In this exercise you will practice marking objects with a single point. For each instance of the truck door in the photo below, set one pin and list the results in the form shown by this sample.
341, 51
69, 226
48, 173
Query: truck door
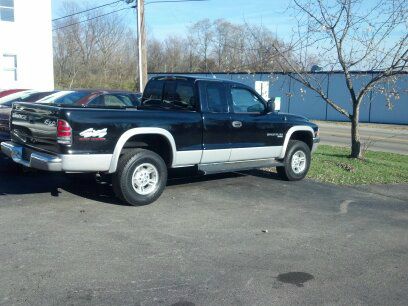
254, 133
216, 122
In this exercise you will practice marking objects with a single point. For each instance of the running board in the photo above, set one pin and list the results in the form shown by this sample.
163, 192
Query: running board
238, 166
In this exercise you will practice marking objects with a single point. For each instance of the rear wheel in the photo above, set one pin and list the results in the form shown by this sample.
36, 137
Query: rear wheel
140, 178
296, 162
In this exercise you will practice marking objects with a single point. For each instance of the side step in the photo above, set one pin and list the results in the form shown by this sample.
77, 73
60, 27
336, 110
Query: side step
238, 166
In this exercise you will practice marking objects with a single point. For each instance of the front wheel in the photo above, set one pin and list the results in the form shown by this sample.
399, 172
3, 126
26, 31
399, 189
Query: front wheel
140, 178
296, 162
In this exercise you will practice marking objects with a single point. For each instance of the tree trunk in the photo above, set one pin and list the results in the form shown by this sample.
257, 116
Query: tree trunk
355, 135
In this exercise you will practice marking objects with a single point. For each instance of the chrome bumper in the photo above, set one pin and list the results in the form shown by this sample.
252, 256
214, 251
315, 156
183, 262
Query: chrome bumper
48, 162
41, 161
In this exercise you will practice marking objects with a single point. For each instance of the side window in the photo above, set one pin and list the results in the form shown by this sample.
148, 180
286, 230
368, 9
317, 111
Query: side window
244, 101
217, 103
96, 102
179, 94
117, 100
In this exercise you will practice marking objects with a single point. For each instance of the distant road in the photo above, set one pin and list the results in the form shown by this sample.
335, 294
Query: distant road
383, 137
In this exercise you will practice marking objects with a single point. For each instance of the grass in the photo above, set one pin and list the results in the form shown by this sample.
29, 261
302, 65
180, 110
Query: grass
331, 164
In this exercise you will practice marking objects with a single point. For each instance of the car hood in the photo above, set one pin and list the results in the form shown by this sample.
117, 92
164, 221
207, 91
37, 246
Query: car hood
294, 117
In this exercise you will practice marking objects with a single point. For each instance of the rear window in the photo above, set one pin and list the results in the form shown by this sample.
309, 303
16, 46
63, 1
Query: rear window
174, 94
71, 98
153, 92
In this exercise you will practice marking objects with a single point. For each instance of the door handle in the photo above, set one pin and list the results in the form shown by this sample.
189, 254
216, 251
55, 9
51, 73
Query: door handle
236, 124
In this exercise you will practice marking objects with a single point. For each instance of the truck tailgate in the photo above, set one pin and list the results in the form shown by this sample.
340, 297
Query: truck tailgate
35, 125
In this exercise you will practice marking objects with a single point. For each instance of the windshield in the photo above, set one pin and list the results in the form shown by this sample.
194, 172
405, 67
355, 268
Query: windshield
8, 100
51, 98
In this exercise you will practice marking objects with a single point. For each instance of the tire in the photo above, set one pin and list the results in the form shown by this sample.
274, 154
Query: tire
140, 178
295, 171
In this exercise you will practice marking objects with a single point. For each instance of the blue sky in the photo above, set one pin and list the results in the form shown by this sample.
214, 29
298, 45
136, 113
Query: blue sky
165, 19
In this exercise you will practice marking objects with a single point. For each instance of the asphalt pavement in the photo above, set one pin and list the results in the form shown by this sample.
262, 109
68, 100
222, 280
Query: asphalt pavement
233, 239
378, 137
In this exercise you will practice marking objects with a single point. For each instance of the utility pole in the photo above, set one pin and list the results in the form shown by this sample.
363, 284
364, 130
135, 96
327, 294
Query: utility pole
141, 33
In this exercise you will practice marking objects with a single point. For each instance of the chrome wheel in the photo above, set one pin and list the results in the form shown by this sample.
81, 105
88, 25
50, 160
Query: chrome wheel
145, 179
298, 162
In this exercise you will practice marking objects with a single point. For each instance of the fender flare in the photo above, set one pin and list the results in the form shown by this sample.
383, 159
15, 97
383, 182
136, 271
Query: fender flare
139, 131
289, 135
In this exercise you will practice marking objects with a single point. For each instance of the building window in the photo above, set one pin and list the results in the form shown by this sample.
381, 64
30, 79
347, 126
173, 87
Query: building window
10, 67
6, 10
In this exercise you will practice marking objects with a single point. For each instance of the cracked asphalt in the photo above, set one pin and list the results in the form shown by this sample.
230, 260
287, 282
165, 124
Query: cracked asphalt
233, 239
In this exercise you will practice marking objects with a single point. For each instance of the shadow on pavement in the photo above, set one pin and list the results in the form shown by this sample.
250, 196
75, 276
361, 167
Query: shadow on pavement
14, 180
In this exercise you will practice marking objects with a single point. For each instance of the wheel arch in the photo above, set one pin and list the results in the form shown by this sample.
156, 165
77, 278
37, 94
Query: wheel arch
133, 134
302, 132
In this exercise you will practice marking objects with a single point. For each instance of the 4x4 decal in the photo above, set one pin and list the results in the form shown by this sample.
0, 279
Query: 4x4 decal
92, 134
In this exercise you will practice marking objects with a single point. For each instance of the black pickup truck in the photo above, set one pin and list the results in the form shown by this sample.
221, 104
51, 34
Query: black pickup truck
214, 125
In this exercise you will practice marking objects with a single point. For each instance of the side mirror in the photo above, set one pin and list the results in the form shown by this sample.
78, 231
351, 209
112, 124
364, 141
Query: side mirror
269, 107
273, 105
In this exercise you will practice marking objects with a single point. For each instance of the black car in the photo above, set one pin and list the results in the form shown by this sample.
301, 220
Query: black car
7, 102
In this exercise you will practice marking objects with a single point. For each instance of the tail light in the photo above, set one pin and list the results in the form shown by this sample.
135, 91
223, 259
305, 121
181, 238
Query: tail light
64, 132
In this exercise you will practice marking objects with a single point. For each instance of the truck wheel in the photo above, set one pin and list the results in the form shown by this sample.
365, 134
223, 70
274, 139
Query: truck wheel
140, 178
297, 161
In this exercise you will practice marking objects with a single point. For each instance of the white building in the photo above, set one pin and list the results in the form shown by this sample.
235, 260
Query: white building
26, 59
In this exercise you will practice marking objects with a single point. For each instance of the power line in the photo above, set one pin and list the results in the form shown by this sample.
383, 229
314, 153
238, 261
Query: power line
175, 1
111, 3
91, 9
86, 20
125, 8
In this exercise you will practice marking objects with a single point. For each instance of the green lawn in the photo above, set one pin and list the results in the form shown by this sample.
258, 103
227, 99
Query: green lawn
331, 164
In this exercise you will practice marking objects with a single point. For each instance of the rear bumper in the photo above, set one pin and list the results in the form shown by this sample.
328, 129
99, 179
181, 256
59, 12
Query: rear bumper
48, 162
316, 141
39, 161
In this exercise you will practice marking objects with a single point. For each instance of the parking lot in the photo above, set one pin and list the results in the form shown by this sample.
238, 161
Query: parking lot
233, 239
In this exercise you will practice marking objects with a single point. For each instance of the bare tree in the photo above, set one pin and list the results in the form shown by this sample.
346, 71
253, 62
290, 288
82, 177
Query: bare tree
348, 35
202, 35
98, 53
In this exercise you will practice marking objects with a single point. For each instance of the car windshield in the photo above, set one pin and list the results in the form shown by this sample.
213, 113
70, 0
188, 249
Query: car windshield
18, 96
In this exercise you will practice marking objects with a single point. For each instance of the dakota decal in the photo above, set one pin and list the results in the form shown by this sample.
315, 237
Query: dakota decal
50, 122
93, 135
19, 116
279, 135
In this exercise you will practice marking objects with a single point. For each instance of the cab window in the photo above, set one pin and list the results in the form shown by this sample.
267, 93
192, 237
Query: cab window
217, 103
245, 101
